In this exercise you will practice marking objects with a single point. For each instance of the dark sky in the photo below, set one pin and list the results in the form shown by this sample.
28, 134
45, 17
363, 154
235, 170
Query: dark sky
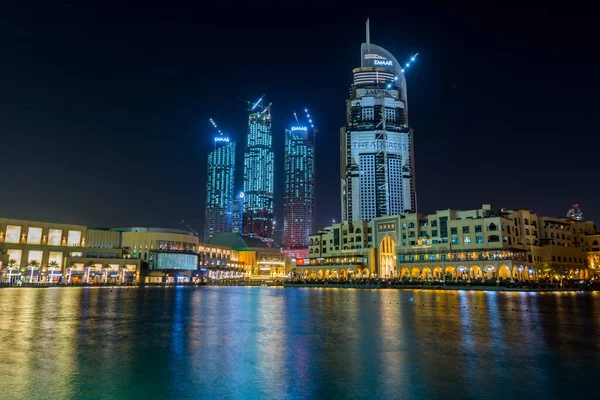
105, 107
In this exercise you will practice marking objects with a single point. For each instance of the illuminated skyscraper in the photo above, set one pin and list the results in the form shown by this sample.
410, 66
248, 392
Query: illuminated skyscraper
377, 166
219, 187
238, 213
258, 175
298, 206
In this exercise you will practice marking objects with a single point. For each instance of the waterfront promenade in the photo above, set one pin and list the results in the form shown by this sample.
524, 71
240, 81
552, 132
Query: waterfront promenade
358, 284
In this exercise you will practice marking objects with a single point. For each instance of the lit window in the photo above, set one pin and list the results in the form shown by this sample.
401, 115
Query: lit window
34, 236
13, 234
15, 255
35, 255
454, 240
55, 256
54, 237
74, 238
479, 239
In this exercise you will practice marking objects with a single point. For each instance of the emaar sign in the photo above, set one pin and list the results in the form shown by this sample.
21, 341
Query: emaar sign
222, 139
387, 63
299, 128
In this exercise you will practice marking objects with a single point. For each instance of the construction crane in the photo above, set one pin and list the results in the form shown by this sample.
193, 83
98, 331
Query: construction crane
215, 125
190, 228
251, 105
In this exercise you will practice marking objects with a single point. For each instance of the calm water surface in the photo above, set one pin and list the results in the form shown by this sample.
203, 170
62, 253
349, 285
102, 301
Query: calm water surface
274, 343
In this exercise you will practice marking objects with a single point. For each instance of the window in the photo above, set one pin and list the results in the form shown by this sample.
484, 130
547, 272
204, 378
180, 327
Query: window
454, 240
74, 238
444, 240
467, 240
404, 236
15, 255
411, 225
493, 239
478, 239
35, 255
324, 250
13, 234
465, 229
421, 257
453, 231
368, 113
357, 230
55, 256
55, 237
434, 232
403, 226
34, 235
435, 241
477, 228
492, 227
432, 257
434, 223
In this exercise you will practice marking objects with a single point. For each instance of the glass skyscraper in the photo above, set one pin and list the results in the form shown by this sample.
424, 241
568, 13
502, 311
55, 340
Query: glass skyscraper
377, 165
298, 207
219, 187
258, 176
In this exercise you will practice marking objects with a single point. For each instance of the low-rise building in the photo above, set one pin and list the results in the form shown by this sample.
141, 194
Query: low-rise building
451, 245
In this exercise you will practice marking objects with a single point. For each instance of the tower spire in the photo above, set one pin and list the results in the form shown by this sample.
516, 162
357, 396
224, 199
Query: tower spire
368, 37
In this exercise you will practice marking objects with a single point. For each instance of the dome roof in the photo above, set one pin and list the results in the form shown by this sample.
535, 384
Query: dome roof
236, 241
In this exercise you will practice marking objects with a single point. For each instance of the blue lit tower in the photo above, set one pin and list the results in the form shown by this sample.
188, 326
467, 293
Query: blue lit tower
258, 175
219, 186
377, 163
299, 195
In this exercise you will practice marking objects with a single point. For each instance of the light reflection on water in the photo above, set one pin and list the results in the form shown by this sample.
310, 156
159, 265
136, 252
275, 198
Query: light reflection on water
236, 342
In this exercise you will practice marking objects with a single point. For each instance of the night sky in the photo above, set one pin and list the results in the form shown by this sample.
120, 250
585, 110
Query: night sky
104, 114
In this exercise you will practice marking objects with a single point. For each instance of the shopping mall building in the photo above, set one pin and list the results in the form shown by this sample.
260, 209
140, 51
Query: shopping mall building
43, 252
455, 245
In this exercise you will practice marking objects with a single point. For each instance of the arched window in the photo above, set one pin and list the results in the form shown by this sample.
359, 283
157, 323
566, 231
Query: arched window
595, 243
526, 221
316, 241
492, 227
411, 225
310, 251
310, 243
357, 230
493, 239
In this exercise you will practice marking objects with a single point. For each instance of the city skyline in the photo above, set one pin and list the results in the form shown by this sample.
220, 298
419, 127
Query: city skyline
456, 94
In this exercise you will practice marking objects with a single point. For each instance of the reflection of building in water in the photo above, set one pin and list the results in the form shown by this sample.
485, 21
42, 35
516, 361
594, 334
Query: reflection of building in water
456, 245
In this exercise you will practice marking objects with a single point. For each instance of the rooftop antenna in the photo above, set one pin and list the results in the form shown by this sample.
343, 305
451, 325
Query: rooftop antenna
368, 37
257, 102
215, 125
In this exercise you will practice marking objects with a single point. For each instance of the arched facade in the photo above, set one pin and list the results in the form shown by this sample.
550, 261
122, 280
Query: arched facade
387, 257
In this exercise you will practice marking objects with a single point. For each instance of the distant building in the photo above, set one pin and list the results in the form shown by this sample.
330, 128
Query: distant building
298, 198
219, 187
238, 213
258, 175
377, 161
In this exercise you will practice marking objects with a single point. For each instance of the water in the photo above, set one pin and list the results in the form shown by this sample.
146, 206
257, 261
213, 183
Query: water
274, 343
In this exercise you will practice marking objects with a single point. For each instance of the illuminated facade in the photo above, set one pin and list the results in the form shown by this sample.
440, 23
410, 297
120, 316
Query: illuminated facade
258, 177
219, 187
470, 245
377, 165
298, 207
45, 252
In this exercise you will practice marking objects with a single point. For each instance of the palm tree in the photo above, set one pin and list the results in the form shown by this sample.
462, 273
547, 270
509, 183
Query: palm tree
12, 263
52, 266
33, 264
